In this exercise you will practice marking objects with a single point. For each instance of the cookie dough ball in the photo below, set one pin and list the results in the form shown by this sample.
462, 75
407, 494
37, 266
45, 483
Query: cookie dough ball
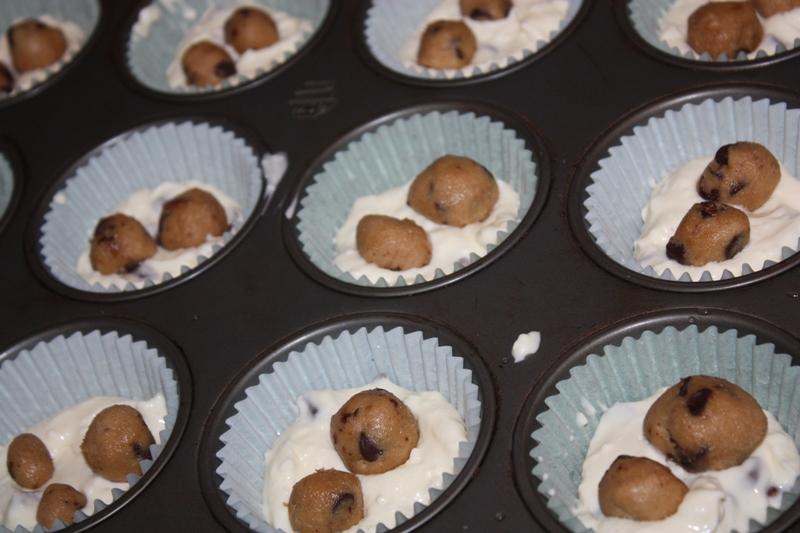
705, 423
392, 243
485, 9
638, 488
28, 461
767, 8
742, 173
6, 79
205, 63
250, 29
35, 45
374, 432
454, 190
710, 231
119, 244
446, 44
117, 439
724, 28
188, 219
59, 501
325, 502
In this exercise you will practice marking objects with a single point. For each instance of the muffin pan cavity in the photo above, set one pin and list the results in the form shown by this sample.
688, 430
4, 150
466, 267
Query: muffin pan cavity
392, 31
75, 19
660, 27
260, 405
164, 30
145, 158
629, 362
392, 151
68, 364
616, 180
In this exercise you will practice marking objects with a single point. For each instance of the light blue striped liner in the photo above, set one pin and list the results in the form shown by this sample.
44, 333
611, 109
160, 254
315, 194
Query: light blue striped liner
83, 13
350, 360
143, 160
64, 371
635, 370
627, 176
393, 155
646, 17
389, 23
148, 57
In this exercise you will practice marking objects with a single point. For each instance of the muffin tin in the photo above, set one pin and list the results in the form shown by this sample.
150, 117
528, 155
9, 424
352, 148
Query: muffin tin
228, 321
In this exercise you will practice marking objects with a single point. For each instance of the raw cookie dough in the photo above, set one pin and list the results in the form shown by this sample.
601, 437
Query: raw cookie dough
446, 44
119, 244
145, 206
188, 219
326, 501
454, 190
725, 28
35, 45
717, 500
639, 488
374, 432
250, 29
705, 423
62, 433
59, 501
28, 461
743, 173
710, 231
773, 226
392, 243
205, 63
116, 441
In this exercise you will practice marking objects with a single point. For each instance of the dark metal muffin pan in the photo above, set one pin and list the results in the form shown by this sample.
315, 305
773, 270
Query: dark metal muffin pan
257, 296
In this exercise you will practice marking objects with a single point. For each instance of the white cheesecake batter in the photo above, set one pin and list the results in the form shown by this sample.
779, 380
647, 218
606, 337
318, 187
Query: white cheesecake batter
772, 226
306, 446
145, 206
450, 244
717, 501
63, 434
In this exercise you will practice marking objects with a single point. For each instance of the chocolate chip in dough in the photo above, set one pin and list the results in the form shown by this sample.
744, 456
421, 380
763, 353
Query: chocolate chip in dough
446, 44
710, 231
